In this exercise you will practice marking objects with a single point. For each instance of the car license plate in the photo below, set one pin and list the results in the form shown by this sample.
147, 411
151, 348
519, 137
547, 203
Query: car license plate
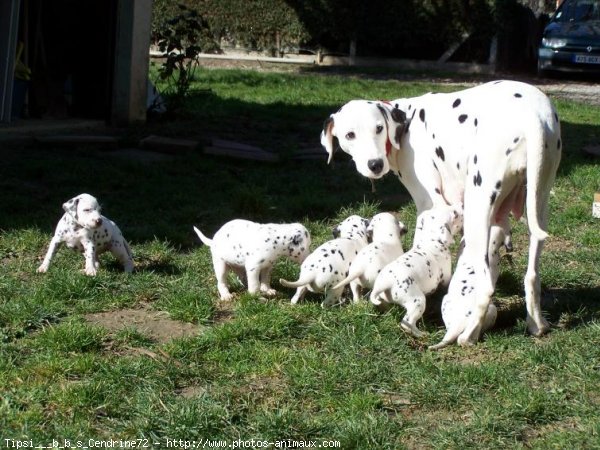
587, 59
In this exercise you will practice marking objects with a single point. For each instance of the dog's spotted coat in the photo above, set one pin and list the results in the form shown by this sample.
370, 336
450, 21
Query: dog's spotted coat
84, 229
421, 270
329, 263
385, 246
251, 249
460, 302
482, 145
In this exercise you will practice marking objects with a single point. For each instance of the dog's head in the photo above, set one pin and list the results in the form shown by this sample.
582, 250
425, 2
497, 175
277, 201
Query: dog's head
299, 244
385, 226
354, 227
441, 219
85, 210
367, 131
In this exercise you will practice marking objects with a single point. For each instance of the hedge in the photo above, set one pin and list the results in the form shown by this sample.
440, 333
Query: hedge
421, 29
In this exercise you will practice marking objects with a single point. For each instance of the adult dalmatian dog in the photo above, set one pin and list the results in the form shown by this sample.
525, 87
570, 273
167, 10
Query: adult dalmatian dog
496, 147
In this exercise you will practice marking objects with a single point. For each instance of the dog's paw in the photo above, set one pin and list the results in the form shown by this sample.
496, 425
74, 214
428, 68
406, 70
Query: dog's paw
42, 269
269, 292
90, 271
538, 330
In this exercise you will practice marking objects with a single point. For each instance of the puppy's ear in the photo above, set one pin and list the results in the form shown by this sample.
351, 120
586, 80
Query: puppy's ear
328, 139
335, 232
297, 239
398, 126
70, 206
403, 228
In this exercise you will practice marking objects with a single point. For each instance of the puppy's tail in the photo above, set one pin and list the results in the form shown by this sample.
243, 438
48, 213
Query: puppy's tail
302, 281
351, 276
206, 241
379, 293
449, 338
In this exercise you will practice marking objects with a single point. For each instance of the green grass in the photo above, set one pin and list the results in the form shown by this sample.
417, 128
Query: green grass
263, 369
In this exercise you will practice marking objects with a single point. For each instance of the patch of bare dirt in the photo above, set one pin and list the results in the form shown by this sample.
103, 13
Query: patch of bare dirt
157, 325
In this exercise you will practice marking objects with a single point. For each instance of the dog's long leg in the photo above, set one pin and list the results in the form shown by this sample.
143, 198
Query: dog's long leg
299, 295
89, 252
265, 281
120, 250
415, 307
54, 244
220, 267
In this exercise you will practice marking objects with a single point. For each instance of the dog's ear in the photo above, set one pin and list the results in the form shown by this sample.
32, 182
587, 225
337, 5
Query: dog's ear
70, 206
328, 140
335, 231
297, 239
403, 228
398, 126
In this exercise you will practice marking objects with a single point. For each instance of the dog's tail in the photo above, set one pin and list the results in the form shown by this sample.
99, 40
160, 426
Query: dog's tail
541, 171
379, 293
350, 277
302, 281
206, 241
449, 338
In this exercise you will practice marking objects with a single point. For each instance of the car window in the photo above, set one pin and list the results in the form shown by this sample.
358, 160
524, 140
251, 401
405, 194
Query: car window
578, 11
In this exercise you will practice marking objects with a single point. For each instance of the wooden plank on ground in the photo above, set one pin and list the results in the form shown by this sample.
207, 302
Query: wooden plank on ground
168, 145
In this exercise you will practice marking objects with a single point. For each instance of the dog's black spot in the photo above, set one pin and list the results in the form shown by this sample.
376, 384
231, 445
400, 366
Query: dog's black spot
515, 140
439, 151
477, 179
437, 191
508, 152
518, 95
456, 103
498, 184
330, 268
435, 166
475, 159
398, 115
493, 198
422, 115
475, 122
458, 165
558, 145
433, 136
462, 118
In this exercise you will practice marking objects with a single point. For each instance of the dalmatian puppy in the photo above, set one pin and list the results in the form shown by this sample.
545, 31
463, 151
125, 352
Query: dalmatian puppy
84, 229
250, 249
385, 246
329, 263
448, 148
420, 271
460, 301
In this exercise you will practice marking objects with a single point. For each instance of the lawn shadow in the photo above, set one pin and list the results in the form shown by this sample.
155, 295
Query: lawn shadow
162, 199
563, 307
